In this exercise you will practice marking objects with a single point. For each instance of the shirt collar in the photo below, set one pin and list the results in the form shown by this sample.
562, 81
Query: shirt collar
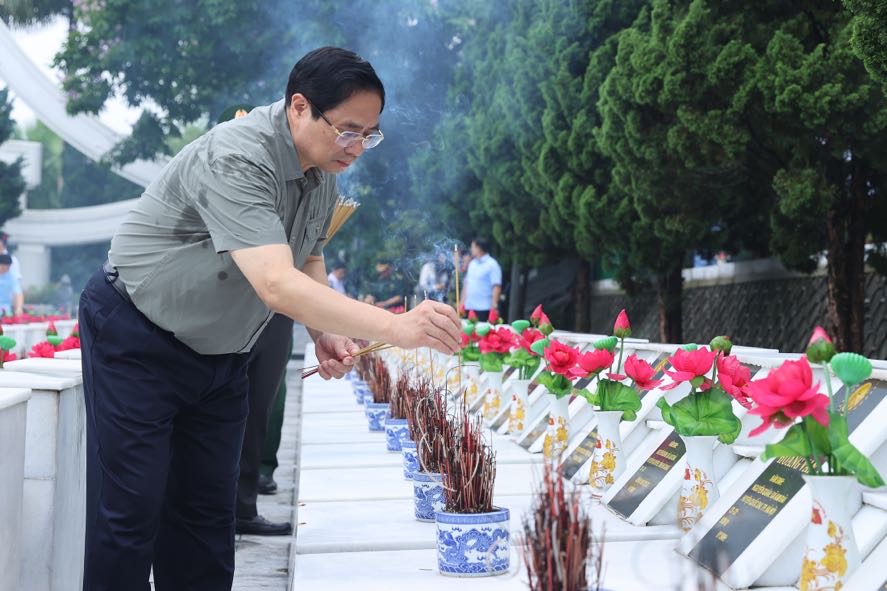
292, 168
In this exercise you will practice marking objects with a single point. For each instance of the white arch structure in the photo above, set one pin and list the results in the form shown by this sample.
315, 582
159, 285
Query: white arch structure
36, 230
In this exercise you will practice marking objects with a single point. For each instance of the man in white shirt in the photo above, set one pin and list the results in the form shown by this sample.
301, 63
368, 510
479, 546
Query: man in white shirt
336, 278
483, 281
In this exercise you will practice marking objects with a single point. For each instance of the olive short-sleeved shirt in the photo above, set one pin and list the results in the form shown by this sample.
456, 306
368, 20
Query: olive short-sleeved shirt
239, 185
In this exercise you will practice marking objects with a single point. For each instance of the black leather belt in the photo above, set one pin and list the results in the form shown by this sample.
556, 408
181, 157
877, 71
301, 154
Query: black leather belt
112, 276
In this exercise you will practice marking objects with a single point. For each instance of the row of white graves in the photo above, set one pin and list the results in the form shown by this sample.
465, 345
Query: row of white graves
753, 535
42, 471
28, 335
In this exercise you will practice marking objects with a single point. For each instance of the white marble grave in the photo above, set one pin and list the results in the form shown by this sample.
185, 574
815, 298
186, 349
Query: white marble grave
46, 365
54, 481
13, 414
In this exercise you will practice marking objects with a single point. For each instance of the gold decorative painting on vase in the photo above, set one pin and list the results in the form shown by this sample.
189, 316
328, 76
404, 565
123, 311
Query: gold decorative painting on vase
607, 459
831, 554
492, 394
557, 434
517, 414
698, 486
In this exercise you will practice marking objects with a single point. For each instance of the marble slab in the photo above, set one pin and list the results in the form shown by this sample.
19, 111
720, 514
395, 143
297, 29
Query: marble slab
51, 366
391, 525
365, 484
630, 566
54, 481
13, 415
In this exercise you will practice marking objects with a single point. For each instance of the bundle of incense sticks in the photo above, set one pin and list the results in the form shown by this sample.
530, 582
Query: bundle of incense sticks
309, 371
345, 208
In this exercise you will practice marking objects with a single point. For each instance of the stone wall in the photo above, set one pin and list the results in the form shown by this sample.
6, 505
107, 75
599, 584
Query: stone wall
778, 313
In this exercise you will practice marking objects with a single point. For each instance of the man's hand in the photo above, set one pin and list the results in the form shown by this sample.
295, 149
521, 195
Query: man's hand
334, 354
430, 324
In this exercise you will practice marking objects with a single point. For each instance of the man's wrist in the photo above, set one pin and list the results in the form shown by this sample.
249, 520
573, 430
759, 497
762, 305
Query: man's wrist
314, 334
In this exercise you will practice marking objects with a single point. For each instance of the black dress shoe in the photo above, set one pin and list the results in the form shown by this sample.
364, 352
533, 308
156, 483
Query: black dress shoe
267, 486
259, 526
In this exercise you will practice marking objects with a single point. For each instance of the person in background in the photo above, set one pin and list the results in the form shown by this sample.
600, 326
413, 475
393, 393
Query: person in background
64, 295
433, 279
336, 278
12, 300
388, 288
14, 268
483, 281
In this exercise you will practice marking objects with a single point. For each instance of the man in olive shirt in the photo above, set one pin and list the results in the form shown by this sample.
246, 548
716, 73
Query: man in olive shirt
230, 233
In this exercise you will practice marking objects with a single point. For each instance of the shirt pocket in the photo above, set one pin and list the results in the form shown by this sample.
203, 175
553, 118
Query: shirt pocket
313, 228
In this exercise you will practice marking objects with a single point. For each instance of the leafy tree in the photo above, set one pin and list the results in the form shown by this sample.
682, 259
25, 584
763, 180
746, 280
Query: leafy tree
190, 58
869, 38
12, 185
30, 12
46, 195
570, 162
827, 126
681, 152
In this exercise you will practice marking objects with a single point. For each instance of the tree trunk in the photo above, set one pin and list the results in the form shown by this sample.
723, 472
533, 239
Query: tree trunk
581, 296
845, 231
669, 288
515, 303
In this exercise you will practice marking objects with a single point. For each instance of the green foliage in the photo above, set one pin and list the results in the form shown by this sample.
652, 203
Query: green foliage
869, 38
190, 58
555, 383
31, 12
817, 444
613, 395
12, 185
491, 361
703, 413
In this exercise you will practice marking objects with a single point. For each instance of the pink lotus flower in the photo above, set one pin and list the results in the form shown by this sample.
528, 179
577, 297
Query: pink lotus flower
8, 355
689, 365
472, 316
641, 372
526, 339
787, 393
51, 330
819, 334
538, 318
42, 349
588, 364
498, 340
622, 328
734, 379
493, 317
561, 358
71, 342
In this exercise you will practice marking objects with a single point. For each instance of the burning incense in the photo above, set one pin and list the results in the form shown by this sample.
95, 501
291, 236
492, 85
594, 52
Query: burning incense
456, 267
345, 208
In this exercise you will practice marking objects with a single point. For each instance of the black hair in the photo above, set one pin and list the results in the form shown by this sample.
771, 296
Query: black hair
5, 259
338, 265
482, 243
329, 76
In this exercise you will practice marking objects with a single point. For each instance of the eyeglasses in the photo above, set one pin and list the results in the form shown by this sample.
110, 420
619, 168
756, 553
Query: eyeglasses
346, 139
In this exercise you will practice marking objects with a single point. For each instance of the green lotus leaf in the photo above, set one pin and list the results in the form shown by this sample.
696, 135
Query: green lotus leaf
851, 368
608, 343
6, 343
703, 413
690, 347
55, 341
483, 329
520, 325
539, 346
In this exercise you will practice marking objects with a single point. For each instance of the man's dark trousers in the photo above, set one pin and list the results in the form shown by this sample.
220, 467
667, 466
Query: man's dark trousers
267, 366
164, 431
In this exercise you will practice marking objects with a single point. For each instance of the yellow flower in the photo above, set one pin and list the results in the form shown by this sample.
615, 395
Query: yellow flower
808, 575
609, 462
835, 559
832, 529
